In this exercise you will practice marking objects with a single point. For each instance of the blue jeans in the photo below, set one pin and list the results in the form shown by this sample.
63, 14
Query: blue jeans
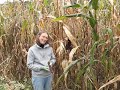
42, 82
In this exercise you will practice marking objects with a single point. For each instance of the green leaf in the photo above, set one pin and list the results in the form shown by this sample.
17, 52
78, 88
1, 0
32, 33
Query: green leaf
82, 71
92, 51
45, 2
59, 18
95, 4
92, 20
77, 15
101, 5
73, 6
24, 25
70, 16
104, 57
95, 35
109, 64
31, 6
2, 87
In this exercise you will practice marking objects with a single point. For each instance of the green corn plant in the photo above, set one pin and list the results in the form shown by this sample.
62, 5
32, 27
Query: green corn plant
92, 19
68, 68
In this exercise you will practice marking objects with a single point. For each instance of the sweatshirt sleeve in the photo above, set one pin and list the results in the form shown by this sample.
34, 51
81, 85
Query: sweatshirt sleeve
30, 62
53, 59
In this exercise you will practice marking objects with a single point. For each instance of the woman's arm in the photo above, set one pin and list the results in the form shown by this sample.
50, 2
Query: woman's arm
30, 62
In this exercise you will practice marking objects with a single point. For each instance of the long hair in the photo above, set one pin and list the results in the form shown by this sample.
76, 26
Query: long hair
38, 35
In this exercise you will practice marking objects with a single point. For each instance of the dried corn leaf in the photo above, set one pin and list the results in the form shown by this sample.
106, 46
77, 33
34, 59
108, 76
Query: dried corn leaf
61, 48
69, 35
72, 53
118, 30
64, 64
67, 68
32, 27
41, 24
51, 16
117, 78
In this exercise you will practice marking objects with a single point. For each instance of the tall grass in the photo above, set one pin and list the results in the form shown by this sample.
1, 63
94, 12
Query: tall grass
85, 37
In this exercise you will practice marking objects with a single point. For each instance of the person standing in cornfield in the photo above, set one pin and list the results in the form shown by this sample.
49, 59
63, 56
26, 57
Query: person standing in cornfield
40, 60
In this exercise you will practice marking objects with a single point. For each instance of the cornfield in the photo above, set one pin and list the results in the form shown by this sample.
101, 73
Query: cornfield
85, 36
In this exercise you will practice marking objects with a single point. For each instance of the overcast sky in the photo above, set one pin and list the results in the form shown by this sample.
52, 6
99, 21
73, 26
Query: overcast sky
2, 1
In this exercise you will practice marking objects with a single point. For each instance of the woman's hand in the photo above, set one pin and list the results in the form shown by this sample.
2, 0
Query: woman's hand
45, 68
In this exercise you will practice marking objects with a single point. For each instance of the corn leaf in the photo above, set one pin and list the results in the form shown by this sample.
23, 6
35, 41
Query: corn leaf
61, 48
92, 20
73, 6
77, 15
72, 53
59, 18
66, 70
115, 79
24, 25
92, 52
82, 71
45, 2
31, 7
94, 4
95, 35
70, 16
64, 64
69, 35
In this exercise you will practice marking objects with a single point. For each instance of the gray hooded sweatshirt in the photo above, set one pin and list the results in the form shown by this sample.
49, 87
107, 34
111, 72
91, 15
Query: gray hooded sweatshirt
38, 58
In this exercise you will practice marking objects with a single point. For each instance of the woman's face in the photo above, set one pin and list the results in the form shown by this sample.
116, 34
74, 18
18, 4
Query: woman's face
43, 38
